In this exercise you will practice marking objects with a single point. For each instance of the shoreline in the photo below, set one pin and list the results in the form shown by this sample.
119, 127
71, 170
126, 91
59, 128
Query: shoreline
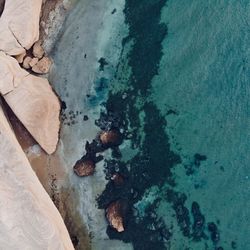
55, 171
50, 169
76, 58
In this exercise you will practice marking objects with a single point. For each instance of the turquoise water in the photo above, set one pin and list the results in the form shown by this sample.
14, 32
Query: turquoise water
182, 91
204, 77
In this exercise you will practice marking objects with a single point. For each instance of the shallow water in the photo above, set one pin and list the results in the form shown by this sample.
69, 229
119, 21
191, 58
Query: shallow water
201, 90
177, 79
204, 75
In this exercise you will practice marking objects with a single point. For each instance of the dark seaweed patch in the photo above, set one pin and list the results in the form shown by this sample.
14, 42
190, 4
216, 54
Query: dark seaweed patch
214, 233
198, 222
153, 165
102, 61
182, 213
198, 158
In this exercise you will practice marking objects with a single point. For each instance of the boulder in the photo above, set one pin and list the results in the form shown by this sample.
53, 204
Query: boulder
43, 66
115, 213
33, 62
26, 62
29, 219
32, 100
117, 179
38, 50
19, 25
84, 167
20, 57
110, 138
10, 73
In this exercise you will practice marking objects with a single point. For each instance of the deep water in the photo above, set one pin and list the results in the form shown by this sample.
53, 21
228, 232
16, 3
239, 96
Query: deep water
181, 97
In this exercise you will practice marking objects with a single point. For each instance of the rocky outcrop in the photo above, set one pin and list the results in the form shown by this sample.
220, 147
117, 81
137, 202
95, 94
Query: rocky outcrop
110, 138
26, 62
32, 100
2, 2
115, 214
19, 25
84, 167
20, 57
42, 66
117, 179
29, 219
38, 50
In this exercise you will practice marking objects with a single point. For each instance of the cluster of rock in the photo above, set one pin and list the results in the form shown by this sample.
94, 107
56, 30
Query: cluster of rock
29, 219
30, 97
115, 213
106, 139
110, 138
36, 61
32, 100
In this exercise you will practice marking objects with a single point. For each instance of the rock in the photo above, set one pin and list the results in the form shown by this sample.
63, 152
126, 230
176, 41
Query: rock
198, 221
10, 73
110, 138
43, 66
84, 167
115, 214
32, 100
214, 233
29, 219
33, 62
38, 50
26, 62
117, 179
20, 57
19, 25
2, 2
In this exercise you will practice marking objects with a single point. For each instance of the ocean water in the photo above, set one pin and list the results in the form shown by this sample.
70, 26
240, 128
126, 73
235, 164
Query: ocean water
174, 77
182, 91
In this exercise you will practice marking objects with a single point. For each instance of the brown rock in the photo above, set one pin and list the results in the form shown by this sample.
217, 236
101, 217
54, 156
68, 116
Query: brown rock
84, 167
26, 62
43, 66
117, 179
111, 138
33, 62
20, 57
115, 214
38, 50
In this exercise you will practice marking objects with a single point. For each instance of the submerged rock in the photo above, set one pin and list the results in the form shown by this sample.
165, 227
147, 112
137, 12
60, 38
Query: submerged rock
110, 138
117, 179
33, 62
214, 233
84, 167
115, 214
199, 222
